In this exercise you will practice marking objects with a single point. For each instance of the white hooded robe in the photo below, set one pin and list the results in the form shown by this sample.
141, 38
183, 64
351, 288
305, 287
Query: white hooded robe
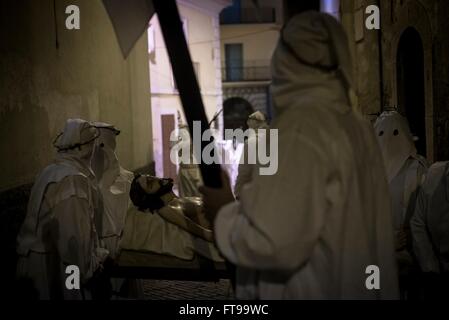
59, 229
311, 230
405, 168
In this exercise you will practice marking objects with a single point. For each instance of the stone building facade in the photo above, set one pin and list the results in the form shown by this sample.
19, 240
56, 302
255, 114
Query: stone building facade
404, 65
49, 74
249, 35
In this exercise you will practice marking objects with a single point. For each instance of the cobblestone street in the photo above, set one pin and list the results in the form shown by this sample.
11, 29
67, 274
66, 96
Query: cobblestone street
180, 290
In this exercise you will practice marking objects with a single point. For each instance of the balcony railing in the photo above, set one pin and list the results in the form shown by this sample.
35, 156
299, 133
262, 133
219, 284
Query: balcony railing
256, 70
248, 15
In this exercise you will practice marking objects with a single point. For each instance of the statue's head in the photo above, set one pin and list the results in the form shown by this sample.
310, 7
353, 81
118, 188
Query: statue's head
150, 193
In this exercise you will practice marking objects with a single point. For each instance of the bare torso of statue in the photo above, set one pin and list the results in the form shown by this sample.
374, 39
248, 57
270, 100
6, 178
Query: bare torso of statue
187, 214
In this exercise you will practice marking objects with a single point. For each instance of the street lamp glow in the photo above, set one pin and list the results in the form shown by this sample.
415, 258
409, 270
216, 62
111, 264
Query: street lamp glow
331, 7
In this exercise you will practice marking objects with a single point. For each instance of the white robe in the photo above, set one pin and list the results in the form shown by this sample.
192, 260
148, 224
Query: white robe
311, 230
114, 184
404, 188
404, 167
246, 170
62, 233
189, 180
189, 175
430, 223
405, 173
116, 203
231, 157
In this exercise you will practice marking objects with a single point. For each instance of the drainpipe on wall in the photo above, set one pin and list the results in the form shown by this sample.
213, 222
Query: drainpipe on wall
381, 62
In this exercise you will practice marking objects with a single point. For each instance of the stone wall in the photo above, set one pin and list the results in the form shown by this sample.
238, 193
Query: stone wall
49, 73
429, 18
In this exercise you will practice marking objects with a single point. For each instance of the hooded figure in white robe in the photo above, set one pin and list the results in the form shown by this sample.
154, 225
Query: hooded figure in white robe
114, 184
311, 230
405, 172
258, 123
189, 176
59, 228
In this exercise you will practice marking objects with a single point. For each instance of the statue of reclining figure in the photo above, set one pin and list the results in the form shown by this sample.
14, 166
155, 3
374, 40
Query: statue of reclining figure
155, 195
160, 222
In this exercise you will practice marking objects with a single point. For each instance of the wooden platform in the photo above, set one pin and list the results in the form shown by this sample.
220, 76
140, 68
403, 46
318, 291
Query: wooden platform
139, 265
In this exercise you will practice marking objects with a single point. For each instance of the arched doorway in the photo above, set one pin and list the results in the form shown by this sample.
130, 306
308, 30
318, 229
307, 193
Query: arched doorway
236, 112
410, 85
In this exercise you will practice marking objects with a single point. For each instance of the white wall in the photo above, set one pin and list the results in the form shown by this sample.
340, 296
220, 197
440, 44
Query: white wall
258, 39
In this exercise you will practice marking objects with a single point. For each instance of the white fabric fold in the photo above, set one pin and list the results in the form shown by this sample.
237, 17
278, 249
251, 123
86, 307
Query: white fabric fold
148, 232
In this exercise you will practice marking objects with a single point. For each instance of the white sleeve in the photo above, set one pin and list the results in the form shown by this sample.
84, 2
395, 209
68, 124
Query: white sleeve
270, 228
422, 244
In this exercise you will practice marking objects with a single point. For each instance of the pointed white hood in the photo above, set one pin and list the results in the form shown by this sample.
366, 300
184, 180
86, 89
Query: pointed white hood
395, 140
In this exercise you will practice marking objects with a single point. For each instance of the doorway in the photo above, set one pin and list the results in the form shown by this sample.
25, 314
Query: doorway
410, 85
234, 62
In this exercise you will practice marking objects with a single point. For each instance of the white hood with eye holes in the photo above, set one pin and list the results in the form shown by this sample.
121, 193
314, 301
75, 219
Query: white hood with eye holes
114, 183
395, 140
